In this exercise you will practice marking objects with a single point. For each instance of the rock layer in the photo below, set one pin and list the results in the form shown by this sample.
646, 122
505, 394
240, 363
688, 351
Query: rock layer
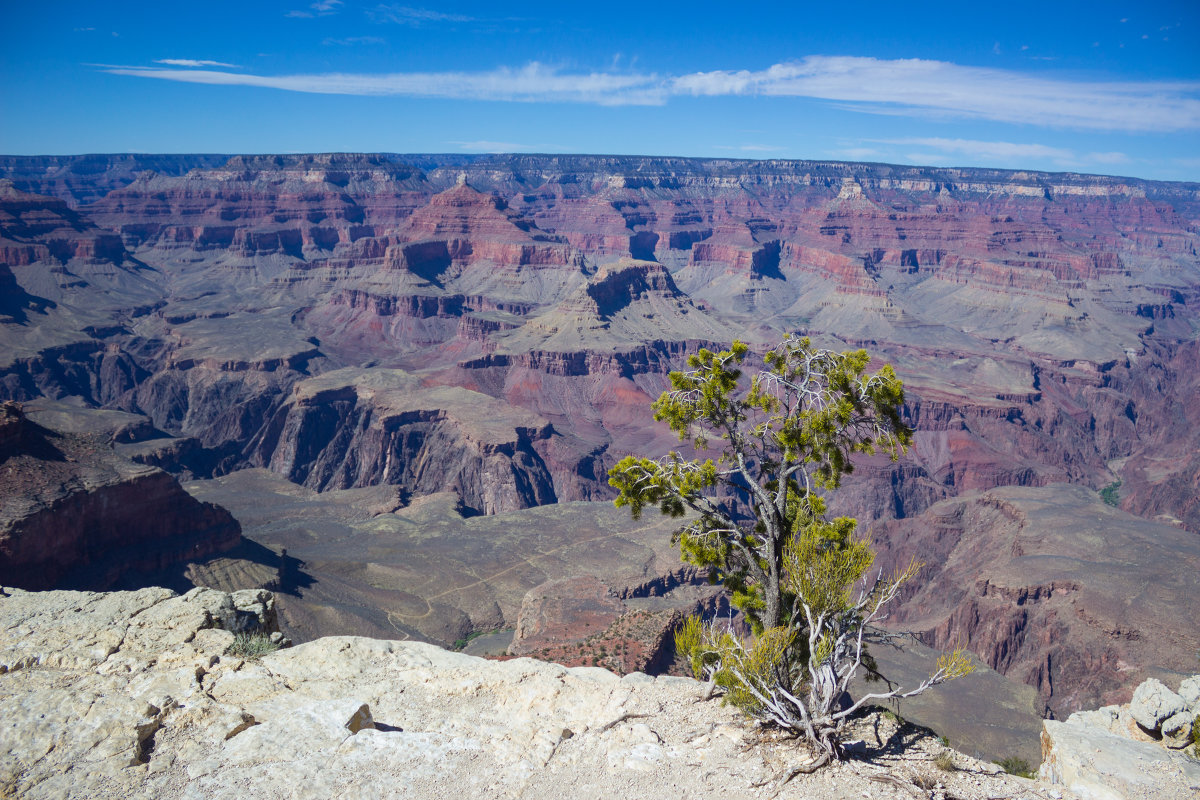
75, 513
1051, 587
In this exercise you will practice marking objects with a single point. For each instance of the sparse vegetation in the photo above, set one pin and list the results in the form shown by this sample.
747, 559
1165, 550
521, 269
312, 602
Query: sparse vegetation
1109, 494
1196, 736
252, 645
758, 524
1014, 765
945, 762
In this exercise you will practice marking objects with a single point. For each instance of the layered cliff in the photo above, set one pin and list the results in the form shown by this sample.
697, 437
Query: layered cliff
351, 428
1051, 587
74, 513
1012, 303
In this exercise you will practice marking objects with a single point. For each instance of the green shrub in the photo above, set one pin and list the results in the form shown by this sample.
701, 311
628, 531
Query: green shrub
252, 645
1015, 765
1109, 494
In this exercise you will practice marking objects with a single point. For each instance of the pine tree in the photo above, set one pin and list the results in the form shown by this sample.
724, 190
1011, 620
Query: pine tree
756, 520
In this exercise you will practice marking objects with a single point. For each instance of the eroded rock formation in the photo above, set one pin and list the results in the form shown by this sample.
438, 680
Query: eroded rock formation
74, 513
1051, 587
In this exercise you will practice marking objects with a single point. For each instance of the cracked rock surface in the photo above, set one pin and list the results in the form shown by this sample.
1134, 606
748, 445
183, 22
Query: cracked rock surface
139, 695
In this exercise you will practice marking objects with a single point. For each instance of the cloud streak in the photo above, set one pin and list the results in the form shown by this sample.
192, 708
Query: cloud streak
921, 86
487, 146
899, 86
193, 62
353, 41
532, 83
321, 8
413, 17
980, 149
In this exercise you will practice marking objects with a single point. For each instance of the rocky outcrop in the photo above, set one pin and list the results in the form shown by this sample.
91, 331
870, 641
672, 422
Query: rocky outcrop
1153, 705
150, 698
564, 610
1051, 587
74, 513
1127, 752
353, 428
580, 621
1099, 765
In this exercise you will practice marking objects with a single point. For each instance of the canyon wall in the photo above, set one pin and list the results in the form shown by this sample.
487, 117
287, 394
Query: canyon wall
75, 514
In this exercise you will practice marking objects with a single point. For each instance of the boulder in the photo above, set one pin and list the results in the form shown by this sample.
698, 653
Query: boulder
1177, 730
1099, 765
1153, 703
1189, 692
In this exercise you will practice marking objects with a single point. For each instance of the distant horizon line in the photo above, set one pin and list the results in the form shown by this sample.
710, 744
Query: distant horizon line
557, 155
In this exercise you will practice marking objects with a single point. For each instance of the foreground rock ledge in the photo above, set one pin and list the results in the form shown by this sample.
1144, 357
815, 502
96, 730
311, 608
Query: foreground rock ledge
136, 695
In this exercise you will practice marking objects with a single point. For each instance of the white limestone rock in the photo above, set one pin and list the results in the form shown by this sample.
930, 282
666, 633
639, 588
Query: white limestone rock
1153, 703
135, 695
1189, 692
1099, 765
1177, 730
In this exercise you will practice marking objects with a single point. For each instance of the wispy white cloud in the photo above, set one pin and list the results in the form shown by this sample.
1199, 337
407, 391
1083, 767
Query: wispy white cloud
980, 149
193, 62
413, 17
964, 152
351, 41
857, 153
903, 86
1107, 158
321, 8
532, 83
750, 148
922, 86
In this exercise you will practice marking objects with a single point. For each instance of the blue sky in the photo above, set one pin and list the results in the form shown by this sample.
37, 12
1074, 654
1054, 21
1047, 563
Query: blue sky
1103, 87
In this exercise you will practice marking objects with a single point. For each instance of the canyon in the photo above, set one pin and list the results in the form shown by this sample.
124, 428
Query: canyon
411, 373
